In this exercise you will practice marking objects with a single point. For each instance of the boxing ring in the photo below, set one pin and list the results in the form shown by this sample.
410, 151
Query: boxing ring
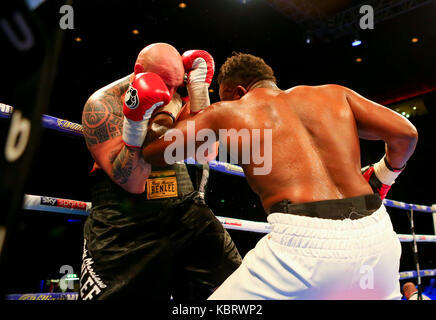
82, 208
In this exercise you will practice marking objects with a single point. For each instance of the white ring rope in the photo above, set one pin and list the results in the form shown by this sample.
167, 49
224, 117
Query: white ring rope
58, 205
42, 203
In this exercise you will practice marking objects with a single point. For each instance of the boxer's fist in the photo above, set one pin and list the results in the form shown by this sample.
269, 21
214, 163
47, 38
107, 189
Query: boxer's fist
199, 68
172, 109
381, 176
146, 93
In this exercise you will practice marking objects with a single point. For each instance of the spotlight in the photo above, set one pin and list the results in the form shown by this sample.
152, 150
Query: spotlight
414, 40
356, 43
308, 38
414, 108
210, 90
358, 59
78, 39
182, 5
135, 31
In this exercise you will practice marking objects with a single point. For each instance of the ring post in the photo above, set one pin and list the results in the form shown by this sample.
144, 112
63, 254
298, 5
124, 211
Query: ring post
415, 255
433, 207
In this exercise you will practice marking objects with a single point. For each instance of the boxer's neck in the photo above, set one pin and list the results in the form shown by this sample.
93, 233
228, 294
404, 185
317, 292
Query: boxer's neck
263, 84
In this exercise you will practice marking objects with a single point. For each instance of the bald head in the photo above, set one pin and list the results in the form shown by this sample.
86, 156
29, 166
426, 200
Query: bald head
408, 289
163, 59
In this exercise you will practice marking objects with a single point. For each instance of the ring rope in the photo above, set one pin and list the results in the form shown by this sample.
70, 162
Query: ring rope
65, 126
413, 274
58, 205
48, 122
67, 206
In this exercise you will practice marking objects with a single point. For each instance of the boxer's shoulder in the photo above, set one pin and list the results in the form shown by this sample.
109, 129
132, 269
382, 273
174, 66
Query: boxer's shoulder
109, 99
319, 88
103, 105
319, 93
102, 116
299, 88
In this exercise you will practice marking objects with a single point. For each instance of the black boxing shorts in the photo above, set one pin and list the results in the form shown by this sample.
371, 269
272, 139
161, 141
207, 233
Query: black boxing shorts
160, 244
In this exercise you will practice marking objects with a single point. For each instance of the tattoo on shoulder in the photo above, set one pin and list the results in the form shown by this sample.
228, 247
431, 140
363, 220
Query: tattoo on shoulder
102, 117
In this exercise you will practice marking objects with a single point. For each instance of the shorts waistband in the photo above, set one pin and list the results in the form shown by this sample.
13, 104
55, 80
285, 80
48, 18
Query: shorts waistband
330, 238
335, 209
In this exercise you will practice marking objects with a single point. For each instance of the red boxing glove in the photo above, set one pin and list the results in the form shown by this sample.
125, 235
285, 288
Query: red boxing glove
147, 92
381, 176
200, 67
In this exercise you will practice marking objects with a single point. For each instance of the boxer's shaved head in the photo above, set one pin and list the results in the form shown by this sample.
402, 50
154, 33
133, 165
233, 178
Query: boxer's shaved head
244, 70
408, 289
163, 59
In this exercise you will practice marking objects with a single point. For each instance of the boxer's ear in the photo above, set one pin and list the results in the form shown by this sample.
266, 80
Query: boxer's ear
139, 68
239, 92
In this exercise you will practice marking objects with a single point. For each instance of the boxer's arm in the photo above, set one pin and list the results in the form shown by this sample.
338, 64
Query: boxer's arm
102, 121
185, 113
165, 118
210, 118
159, 125
376, 122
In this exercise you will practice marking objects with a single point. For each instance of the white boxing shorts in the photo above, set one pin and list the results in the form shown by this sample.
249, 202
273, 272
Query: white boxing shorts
312, 258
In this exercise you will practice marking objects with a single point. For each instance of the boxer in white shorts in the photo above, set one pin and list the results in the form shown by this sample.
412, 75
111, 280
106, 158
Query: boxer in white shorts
331, 236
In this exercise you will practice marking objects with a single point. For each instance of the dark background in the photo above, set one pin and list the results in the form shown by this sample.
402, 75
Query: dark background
392, 69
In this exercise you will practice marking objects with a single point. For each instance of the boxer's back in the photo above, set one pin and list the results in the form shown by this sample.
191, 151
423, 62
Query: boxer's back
315, 144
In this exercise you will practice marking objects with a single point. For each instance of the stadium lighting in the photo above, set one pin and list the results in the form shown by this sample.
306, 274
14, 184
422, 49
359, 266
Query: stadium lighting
356, 43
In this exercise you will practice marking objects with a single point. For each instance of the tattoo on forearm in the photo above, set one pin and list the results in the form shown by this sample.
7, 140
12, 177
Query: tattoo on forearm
123, 165
102, 117
112, 156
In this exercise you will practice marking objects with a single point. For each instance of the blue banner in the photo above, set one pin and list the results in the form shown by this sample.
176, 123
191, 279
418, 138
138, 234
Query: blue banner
44, 296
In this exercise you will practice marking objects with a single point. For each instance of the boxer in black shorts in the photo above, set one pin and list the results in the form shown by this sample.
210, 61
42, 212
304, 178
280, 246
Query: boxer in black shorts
150, 234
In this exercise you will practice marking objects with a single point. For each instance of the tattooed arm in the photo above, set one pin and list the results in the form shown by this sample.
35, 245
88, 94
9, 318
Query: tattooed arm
102, 121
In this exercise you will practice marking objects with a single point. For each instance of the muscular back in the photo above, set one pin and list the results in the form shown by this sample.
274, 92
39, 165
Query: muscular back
315, 143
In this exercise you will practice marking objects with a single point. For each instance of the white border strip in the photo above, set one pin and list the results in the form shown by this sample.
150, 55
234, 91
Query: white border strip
43, 203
